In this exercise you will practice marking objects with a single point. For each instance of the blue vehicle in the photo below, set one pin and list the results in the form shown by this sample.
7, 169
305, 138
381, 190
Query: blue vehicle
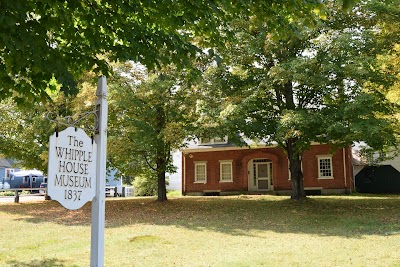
26, 179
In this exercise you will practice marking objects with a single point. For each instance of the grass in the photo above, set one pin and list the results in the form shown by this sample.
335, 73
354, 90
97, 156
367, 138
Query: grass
174, 193
12, 193
358, 230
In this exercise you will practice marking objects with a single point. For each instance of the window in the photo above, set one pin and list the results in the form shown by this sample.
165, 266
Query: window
34, 179
225, 171
215, 140
200, 172
325, 167
26, 179
8, 174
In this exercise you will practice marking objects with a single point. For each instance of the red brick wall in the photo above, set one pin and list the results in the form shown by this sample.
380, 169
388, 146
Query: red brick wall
341, 174
241, 157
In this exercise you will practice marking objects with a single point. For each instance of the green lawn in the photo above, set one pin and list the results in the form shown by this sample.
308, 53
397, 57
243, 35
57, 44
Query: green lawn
208, 231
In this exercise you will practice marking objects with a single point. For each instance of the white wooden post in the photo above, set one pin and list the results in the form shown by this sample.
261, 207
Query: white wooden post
98, 203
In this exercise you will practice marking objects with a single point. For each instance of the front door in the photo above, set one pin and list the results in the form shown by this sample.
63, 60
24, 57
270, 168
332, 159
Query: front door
261, 175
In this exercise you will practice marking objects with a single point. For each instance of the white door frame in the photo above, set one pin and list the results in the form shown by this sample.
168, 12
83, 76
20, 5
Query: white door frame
253, 174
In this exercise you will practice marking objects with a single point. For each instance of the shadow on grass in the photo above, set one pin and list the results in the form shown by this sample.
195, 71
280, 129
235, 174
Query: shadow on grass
345, 216
37, 263
48, 211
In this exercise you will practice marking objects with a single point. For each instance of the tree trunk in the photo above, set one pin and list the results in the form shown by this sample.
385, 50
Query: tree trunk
161, 156
296, 175
160, 168
161, 188
296, 179
293, 152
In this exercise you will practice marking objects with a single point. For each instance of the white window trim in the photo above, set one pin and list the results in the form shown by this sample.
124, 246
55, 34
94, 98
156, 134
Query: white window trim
199, 163
214, 141
221, 162
9, 177
319, 157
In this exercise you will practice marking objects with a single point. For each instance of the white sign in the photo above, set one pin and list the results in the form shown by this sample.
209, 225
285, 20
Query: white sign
72, 168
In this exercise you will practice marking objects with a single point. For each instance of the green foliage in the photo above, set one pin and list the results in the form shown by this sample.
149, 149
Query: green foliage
42, 40
145, 184
175, 193
7, 193
46, 41
321, 82
26, 131
293, 69
149, 117
151, 114
10, 193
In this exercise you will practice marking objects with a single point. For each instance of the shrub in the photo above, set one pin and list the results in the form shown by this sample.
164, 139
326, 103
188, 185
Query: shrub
11, 193
145, 184
7, 193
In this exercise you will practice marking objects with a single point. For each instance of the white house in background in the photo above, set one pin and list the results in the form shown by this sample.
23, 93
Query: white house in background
395, 163
359, 163
114, 182
175, 179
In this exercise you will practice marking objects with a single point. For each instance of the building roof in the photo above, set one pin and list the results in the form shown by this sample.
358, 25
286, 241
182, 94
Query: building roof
6, 163
28, 173
194, 146
358, 161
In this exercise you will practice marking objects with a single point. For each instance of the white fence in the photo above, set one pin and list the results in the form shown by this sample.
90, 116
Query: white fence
129, 191
125, 191
18, 190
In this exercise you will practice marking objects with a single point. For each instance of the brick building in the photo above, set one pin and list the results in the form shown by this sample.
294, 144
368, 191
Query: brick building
220, 168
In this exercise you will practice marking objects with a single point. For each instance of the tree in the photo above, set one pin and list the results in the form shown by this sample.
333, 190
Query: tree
26, 131
320, 82
45, 46
386, 16
27, 128
45, 40
150, 115
42, 40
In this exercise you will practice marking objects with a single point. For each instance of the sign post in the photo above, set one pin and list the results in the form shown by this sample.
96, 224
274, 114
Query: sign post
98, 203
77, 169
